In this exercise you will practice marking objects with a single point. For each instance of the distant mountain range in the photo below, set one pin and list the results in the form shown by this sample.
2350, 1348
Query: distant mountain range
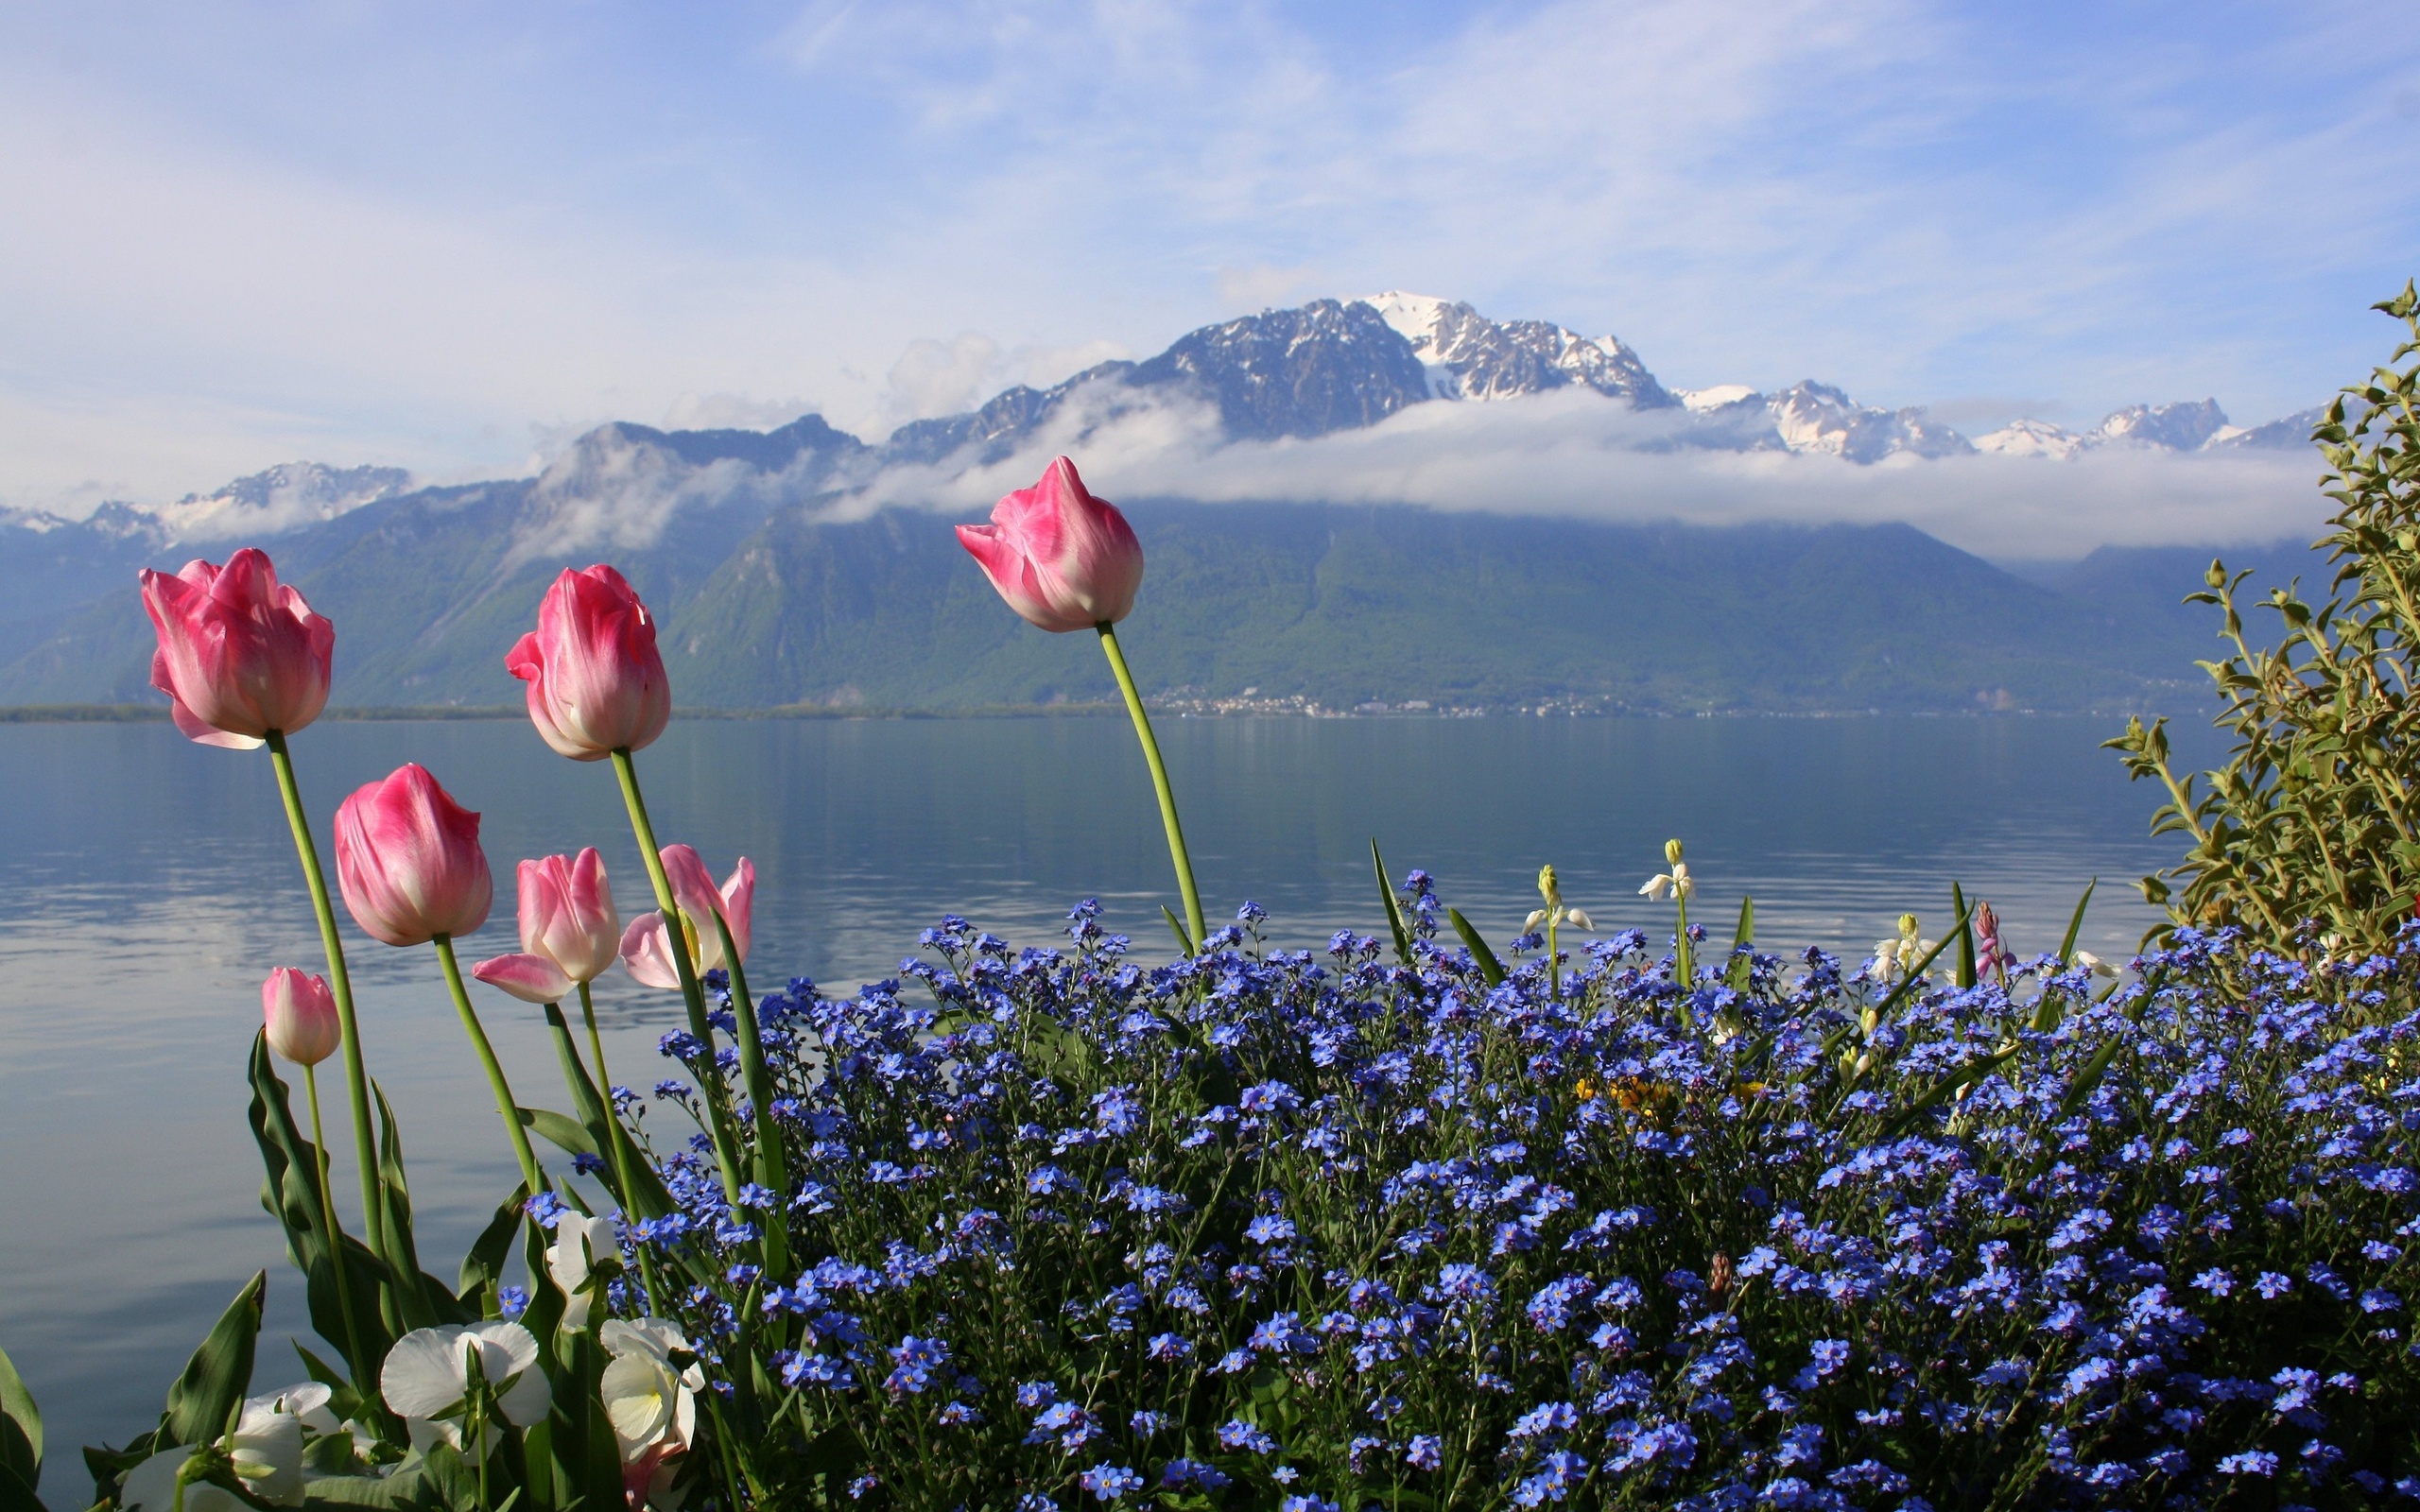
793, 566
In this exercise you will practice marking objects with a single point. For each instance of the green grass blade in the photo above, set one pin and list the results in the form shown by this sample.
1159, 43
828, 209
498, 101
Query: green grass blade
1965, 1075
214, 1380
2075, 925
1743, 940
1393, 906
1967, 973
20, 1427
1176, 927
1489, 967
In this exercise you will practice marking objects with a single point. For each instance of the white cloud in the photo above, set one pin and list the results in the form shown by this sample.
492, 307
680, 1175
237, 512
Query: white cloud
1580, 456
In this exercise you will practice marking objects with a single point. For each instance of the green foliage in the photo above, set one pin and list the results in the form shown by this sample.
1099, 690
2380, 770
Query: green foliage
2315, 819
20, 1442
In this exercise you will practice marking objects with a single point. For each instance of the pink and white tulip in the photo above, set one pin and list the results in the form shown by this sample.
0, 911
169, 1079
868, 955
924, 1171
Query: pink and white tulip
646, 951
597, 679
240, 653
570, 930
300, 1014
408, 860
1064, 559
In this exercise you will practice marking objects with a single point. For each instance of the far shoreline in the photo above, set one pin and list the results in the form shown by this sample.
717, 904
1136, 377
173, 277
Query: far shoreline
138, 713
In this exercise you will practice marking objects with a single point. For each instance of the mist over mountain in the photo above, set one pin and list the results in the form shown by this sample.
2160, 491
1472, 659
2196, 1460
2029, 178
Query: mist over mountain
1376, 501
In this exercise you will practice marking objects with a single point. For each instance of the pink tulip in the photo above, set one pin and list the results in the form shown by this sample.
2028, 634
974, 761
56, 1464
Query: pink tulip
408, 860
570, 932
240, 653
300, 1015
645, 948
596, 681
1062, 559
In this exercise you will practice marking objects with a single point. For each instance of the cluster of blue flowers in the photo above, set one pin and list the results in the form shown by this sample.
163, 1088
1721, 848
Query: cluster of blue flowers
1393, 1227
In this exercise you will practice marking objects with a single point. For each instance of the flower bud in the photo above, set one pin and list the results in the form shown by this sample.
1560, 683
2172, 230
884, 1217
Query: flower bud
1547, 888
595, 676
299, 1015
408, 860
239, 653
1672, 853
1060, 557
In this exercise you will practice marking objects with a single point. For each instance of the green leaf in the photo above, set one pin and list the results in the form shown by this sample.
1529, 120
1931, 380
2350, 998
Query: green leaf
402, 1490
1743, 943
1176, 927
214, 1378
483, 1266
586, 1103
2075, 923
569, 1133
424, 1300
1965, 1075
20, 1427
291, 1194
1967, 973
1393, 905
17, 1493
2089, 1076
1489, 967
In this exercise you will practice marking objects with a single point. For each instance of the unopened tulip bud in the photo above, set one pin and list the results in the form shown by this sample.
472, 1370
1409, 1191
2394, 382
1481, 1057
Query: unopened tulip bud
595, 676
1060, 557
300, 1014
408, 860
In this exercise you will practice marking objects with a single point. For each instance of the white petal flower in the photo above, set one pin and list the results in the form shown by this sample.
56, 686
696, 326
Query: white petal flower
427, 1375
307, 1402
1682, 886
1656, 885
151, 1487
652, 1338
1582, 920
639, 1394
580, 1241
1537, 916
268, 1455
2093, 964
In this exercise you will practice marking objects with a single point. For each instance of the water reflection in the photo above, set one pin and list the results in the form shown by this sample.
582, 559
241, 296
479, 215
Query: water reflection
148, 885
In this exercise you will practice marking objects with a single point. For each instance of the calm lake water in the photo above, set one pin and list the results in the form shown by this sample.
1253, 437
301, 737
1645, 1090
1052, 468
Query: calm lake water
146, 884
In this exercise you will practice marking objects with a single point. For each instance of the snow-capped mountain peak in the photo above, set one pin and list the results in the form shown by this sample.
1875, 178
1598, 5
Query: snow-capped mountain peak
279, 499
1469, 357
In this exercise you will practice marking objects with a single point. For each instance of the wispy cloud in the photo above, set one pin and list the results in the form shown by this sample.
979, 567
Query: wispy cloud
216, 259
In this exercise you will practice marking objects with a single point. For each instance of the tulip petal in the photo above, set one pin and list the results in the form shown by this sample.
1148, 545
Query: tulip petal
531, 978
646, 957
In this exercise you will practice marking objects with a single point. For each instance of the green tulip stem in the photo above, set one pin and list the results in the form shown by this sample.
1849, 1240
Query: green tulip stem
1159, 781
333, 1235
771, 1168
677, 940
356, 1079
615, 1131
530, 1174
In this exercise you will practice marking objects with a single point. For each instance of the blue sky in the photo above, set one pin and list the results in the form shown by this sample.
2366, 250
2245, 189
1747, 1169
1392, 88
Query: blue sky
447, 236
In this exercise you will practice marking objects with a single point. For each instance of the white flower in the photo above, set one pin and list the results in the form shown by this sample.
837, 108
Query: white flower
2093, 964
579, 1243
1675, 882
642, 1352
428, 1374
267, 1450
151, 1487
1558, 916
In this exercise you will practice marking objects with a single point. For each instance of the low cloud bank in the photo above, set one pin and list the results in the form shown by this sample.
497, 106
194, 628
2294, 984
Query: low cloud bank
1581, 456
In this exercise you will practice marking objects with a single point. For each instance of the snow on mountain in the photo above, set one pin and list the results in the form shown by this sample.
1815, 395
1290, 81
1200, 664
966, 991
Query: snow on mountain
2182, 427
1706, 401
1466, 356
1813, 417
2031, 437
280, 499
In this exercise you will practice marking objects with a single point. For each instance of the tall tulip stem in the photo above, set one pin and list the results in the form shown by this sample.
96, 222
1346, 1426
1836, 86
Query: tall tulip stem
678, 947
535, 1178
334, 1237
1159, 781
356, 1078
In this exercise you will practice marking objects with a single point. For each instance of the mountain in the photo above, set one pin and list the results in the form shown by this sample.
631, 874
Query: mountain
1337, 606
796, 565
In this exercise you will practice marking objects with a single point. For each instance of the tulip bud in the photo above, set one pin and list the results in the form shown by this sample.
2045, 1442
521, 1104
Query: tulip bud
300, 1014
240, 654
1060, 557
570, 930
408, 860
597, 679
1672, 853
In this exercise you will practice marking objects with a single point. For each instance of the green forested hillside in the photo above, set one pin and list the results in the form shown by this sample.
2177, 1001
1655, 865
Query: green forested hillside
1336, 604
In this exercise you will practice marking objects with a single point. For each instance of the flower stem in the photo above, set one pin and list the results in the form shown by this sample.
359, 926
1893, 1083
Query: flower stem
771, 1169
622, 1151
1159, 781
530, 1174
693, 995
334, 1237
374, 1216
